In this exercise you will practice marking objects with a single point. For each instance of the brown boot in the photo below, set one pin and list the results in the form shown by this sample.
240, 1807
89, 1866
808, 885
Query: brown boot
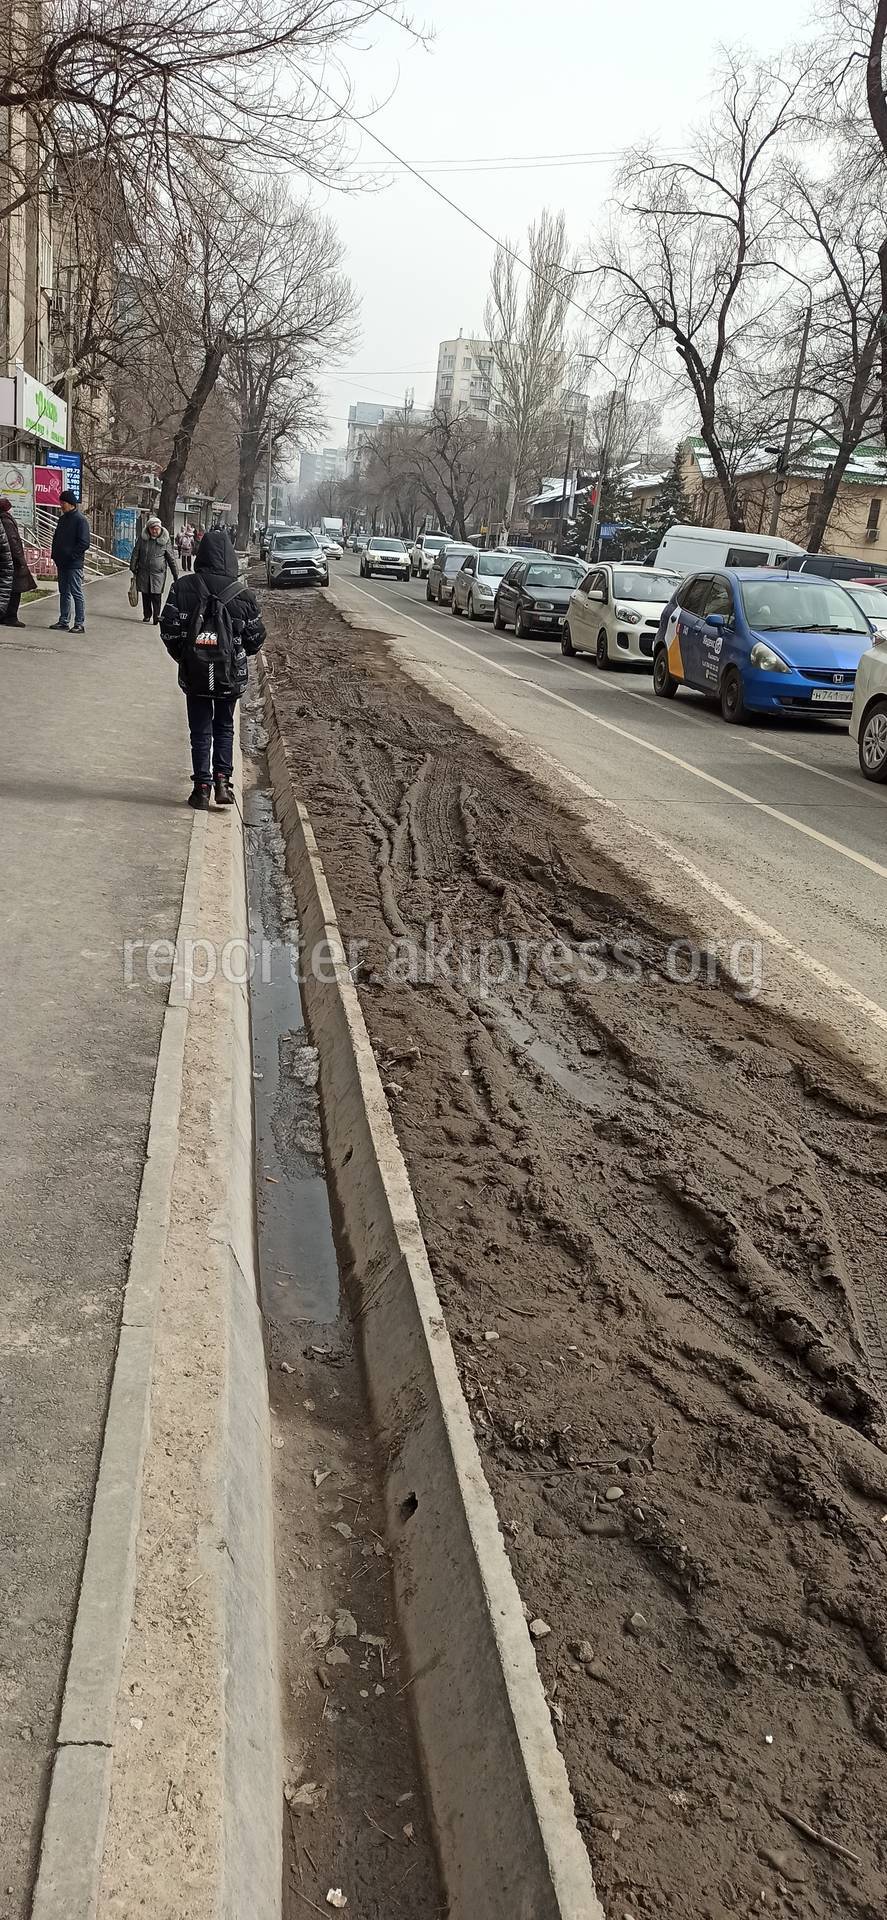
224, 789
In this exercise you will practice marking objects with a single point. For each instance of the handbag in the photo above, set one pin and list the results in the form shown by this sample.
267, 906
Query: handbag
133, 591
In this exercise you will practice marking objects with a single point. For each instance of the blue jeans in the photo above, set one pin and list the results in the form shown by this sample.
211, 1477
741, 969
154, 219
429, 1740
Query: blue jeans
211, 723
71, 588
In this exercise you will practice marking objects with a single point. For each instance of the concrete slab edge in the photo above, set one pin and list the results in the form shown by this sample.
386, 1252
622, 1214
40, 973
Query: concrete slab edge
509, 1843
66, 1886
252, 1874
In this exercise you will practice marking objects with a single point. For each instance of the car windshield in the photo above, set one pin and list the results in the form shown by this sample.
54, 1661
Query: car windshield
554, 575
644, 586
495, 563
388, 546
802, 605
294, 543
872, 600
433, 542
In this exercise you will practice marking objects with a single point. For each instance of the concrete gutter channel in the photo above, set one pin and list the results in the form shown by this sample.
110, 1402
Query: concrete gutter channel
507, 1835
163, 1690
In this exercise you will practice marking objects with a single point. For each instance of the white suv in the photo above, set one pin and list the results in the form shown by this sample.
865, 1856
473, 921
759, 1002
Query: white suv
425, 550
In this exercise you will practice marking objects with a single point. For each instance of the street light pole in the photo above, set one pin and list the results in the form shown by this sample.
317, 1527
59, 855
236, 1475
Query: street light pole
782, 463
595, 518
567, 464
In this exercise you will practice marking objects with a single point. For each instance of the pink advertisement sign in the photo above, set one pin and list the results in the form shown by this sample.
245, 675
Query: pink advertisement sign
47, 486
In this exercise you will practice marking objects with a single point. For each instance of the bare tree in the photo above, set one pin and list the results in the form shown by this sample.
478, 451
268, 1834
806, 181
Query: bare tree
840, 228
688, 257
526, 317
455, 465
140, 82
301, 312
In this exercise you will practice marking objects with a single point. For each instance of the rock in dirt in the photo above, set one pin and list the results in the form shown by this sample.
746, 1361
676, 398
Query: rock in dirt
785, 1865
614, 1493
346, 1625
637, 1624
336, 1898
337, 1657
539, 1628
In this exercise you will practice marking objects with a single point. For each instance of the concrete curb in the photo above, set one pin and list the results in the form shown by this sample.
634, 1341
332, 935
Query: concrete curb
73, 1830
506, 1827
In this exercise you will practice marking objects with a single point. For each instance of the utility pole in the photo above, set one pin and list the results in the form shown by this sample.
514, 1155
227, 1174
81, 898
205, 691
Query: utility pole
782, 463
567, 465
595, 518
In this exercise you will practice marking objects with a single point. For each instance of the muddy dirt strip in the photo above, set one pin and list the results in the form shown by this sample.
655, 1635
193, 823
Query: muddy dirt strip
657, 1218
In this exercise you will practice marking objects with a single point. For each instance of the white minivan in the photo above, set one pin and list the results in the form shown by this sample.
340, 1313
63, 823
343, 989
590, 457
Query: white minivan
683, 549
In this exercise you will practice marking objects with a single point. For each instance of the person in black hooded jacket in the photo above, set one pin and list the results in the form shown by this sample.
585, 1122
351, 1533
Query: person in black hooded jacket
208, 597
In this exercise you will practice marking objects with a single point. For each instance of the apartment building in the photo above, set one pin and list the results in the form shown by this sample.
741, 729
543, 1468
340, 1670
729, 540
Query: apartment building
365, 418
465, 380
314, 468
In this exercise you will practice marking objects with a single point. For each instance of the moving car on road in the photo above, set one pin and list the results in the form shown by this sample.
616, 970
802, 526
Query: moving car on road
682, 548
386, 556
868, 720
615, 613
331, 547
761, 641
476, 583
444, 568
296, 559
425, 549
534, 596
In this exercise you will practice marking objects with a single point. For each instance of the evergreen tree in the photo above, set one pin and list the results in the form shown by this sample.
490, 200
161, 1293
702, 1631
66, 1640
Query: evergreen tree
672, 507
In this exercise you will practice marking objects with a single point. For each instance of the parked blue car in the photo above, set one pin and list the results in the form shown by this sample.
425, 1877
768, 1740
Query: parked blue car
762, 641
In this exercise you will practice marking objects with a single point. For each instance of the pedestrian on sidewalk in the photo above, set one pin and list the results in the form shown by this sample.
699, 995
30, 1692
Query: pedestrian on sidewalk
7, 570
151, 555
185, 545
70, 544
22, 578
211, 626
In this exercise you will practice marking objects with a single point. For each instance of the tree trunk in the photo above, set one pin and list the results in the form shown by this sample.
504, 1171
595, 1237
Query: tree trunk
177, 464
510, 498
877, 104
246, 482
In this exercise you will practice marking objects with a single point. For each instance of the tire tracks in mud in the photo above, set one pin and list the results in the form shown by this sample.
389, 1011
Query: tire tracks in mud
670, 1209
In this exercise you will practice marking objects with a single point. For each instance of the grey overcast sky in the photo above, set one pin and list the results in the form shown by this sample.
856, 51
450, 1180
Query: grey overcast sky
508, 83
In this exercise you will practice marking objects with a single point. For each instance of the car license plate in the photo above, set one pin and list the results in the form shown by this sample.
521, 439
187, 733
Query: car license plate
834, 696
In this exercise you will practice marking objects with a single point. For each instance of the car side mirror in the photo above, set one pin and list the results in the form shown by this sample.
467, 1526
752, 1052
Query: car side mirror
596, 593
716, 620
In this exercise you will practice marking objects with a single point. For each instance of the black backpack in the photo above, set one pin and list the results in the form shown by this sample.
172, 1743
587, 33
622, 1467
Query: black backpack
208, 657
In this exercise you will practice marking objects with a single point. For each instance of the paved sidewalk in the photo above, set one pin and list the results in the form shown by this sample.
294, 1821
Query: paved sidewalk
93, 777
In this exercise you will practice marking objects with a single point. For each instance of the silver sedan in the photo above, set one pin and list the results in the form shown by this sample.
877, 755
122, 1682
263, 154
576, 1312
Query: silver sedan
446, 564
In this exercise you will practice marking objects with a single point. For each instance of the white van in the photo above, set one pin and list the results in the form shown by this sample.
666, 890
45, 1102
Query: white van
682, 549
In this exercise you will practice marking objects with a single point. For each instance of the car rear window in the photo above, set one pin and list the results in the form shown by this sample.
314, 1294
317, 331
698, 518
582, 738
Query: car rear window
495, 563
554, 576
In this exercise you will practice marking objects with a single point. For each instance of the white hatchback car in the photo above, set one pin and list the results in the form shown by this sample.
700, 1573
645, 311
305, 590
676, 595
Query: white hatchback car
868, 720
615, 612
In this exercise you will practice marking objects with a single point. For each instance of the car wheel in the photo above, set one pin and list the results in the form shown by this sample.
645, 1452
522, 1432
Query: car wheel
664, 682
567, 646
406, 576
454, 609
471, 613
428, 593
498, 621
520, 631
732, 697
873, 742
439, 594
602, 652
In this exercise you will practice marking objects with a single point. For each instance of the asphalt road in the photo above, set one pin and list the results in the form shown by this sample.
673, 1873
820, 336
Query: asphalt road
774, 814
95, 842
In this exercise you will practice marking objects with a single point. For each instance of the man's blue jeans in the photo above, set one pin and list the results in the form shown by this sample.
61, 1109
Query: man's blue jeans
71, 588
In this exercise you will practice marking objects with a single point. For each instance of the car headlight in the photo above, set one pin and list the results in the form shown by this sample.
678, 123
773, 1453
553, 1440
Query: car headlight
769, 662
485, 592
628, 614
543, 606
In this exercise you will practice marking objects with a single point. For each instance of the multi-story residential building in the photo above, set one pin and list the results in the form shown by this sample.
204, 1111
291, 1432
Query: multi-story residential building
26, 258
465, 380
331, 464
364, 420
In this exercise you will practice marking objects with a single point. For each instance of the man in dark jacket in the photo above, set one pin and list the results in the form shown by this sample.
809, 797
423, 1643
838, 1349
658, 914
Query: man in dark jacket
70, 545
6, 571
22, 577
205, 610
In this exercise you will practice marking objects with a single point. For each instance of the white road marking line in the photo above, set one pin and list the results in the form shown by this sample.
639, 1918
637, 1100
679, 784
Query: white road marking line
824, 975
648, 746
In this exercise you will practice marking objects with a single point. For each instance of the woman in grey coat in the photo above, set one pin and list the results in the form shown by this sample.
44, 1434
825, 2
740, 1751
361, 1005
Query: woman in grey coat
152, 554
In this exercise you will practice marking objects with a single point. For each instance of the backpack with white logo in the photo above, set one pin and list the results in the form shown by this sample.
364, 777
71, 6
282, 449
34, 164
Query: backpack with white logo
208, 658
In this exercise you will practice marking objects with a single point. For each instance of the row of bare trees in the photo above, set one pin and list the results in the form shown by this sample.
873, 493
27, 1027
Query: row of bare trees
195, 287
